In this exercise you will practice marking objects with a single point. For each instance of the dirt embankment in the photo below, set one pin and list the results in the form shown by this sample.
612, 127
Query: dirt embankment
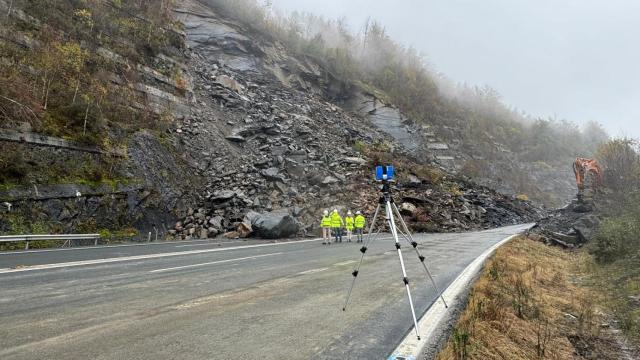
533, 301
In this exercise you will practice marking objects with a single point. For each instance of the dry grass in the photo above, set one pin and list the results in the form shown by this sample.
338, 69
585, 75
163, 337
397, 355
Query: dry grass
526, 306
620, 282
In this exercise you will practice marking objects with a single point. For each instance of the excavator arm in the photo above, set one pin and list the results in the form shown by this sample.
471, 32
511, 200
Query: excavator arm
588, 167
579, 171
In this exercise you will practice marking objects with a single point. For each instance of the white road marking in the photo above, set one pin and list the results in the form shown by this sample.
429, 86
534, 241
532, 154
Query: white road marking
213, 263
345, 263
208, 244
312, 271
103, 247
150, 256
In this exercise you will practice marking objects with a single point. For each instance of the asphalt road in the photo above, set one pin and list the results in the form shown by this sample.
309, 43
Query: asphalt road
211, 300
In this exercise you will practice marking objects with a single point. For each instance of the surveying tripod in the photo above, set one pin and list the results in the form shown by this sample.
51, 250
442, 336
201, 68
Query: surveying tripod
391, 212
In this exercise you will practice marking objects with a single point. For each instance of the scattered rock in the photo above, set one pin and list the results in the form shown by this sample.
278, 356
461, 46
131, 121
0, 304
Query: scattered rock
235, 138
413, 180
212, 232
272, 174
216, 222
355, 161
328, 180
232, 235
568, 227
222, 195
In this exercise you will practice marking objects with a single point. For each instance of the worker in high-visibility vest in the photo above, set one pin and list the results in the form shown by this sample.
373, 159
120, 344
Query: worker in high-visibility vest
336, 225
325, 224
348, 224
359, 223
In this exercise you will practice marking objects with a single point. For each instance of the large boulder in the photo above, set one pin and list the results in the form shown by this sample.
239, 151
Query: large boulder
229, 83
408, 208
273, 225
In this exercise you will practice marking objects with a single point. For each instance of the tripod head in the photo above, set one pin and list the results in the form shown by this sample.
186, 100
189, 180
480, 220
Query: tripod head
386, 191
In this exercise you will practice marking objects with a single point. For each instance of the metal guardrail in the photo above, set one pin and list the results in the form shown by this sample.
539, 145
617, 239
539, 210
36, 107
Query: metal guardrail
66, 237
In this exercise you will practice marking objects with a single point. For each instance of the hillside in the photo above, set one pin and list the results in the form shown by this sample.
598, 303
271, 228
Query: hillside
124, 118
464, 129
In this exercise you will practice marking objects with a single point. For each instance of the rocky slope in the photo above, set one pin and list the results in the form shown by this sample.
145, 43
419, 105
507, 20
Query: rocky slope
287, 147
576, 224
253, 130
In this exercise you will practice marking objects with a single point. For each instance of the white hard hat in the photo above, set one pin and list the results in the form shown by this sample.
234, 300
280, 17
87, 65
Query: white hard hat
335, 210
349, 212
358, 212
326, 212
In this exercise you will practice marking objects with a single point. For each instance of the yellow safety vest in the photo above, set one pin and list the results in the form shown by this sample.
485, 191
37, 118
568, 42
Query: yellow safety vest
336, 221
348, 223
360, 221
326, 222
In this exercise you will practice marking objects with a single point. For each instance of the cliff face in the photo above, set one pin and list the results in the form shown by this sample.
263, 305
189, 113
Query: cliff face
87, 90
209, 123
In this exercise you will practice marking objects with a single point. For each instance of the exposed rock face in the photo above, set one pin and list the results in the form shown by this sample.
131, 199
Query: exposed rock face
388, 119
71, 207
215, 38
163, 172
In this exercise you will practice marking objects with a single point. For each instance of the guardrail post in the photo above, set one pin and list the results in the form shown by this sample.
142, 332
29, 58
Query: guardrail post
156, 229
149, 238
26, 244
95, 242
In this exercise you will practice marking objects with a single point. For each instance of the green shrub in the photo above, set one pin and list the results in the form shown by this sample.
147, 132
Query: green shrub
622, 164
616, 238
359, 146
12, 167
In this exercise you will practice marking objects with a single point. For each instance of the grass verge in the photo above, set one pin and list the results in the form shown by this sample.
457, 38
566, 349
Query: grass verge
531, 302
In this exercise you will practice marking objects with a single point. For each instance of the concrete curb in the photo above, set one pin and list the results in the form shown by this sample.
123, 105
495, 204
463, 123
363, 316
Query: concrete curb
411, 348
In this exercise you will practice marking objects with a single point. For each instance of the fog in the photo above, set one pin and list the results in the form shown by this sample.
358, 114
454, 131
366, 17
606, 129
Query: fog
573, 59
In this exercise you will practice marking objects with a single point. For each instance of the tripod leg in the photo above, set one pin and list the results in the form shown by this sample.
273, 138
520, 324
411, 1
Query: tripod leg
363, 250
414, 244
394, 232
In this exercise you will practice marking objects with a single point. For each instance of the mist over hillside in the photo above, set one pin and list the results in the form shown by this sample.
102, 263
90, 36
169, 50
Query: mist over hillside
573, 60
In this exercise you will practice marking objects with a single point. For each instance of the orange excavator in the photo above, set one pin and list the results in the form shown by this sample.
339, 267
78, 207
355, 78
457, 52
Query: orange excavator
588, 169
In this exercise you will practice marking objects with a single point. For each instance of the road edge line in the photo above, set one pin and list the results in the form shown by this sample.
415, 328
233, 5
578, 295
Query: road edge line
147, 256
410, 348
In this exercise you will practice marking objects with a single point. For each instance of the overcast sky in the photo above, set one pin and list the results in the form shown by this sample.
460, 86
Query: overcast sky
573, 59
